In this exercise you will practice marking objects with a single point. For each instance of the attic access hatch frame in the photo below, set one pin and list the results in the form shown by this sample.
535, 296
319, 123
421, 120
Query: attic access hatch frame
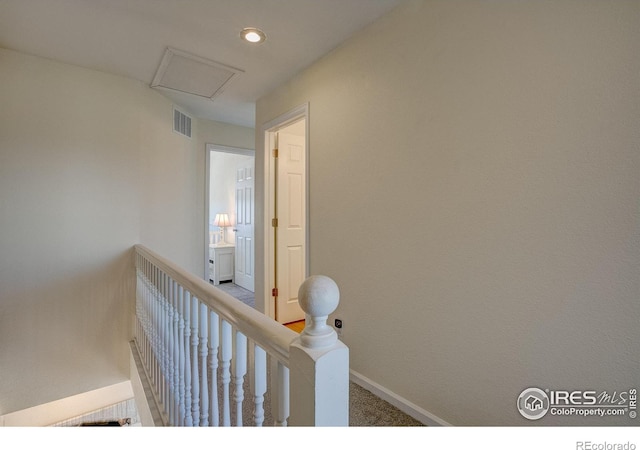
184, 72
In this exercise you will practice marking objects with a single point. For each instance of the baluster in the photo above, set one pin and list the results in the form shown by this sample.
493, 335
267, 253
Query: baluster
143, 300
161, 337
239, 373
225, 364
158, 330
176, 353
259, 384
204, 351
145, 312
188, 418
151, 334
143, 296
281, 395
195, 378
214, 341
138, 297
181, 360
167, 319
140, 313
157, 336
173, 339
170, 350
149, 324
166, 363
154, 330
170, 366
147, 320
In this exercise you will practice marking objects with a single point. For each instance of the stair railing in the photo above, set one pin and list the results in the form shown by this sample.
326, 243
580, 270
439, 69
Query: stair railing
211, 360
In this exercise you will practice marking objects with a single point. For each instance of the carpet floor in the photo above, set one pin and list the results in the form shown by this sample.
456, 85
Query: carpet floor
245, 296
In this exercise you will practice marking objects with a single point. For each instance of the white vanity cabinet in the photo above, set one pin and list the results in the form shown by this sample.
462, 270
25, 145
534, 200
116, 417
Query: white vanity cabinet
221, 263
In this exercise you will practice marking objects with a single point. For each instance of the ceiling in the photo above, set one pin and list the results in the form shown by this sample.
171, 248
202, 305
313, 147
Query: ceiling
130, 37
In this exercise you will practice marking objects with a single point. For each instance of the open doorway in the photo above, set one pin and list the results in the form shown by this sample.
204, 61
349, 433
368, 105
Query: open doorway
287, 231
229, 212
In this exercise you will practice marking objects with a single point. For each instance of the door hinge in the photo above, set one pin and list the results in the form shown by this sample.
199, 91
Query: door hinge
275, 152
274, 222
274, 292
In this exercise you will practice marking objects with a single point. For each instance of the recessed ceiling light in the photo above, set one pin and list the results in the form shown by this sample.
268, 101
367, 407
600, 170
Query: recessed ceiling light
253, 35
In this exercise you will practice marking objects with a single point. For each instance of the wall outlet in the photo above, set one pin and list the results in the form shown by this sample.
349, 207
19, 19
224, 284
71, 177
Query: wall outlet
337, 324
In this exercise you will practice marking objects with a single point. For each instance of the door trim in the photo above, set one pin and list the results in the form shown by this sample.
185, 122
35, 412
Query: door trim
207, 181
268, 130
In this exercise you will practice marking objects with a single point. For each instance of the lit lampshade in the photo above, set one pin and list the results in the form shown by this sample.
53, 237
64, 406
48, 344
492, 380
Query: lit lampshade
222, 221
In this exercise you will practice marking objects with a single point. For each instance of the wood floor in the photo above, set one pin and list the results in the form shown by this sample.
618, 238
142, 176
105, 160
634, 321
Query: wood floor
296, 326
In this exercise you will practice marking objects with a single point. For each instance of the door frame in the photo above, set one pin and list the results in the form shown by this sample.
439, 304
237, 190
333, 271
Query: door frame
268, 131
209, 147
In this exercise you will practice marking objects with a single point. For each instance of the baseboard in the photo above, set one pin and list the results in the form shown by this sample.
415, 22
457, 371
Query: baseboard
401, 403
60, 410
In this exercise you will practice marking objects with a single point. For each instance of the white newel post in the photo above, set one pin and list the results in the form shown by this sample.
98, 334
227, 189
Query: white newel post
319, 362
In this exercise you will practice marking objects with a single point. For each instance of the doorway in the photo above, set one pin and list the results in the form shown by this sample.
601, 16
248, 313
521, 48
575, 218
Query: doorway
287, 230
229, 215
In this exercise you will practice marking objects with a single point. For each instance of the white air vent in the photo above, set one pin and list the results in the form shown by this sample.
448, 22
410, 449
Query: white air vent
184, 72
181, 123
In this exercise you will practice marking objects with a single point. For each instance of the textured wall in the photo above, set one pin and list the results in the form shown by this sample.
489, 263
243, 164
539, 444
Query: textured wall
501, 139
68, 218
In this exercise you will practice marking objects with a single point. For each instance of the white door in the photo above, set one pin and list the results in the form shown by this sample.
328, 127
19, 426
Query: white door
244, 272
290, 231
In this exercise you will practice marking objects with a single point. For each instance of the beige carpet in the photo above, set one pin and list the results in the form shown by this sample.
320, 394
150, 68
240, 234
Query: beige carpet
368, 410
245, 296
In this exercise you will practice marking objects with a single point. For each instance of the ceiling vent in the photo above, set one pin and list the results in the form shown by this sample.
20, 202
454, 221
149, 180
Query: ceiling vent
184, 72
181, 123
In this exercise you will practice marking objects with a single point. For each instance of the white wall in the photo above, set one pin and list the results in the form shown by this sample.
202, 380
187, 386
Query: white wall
69, 180
89, 166
169, 189
502, 138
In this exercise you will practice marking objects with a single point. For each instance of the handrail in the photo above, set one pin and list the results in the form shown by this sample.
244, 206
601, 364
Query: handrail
273, 337
198, 342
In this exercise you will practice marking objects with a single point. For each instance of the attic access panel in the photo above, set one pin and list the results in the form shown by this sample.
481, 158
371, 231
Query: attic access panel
184, 72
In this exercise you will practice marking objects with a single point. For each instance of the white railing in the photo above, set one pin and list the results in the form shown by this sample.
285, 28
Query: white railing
198, 344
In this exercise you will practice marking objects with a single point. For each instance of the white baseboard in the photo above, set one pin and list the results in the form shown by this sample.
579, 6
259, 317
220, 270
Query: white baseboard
59, 410
401, 403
